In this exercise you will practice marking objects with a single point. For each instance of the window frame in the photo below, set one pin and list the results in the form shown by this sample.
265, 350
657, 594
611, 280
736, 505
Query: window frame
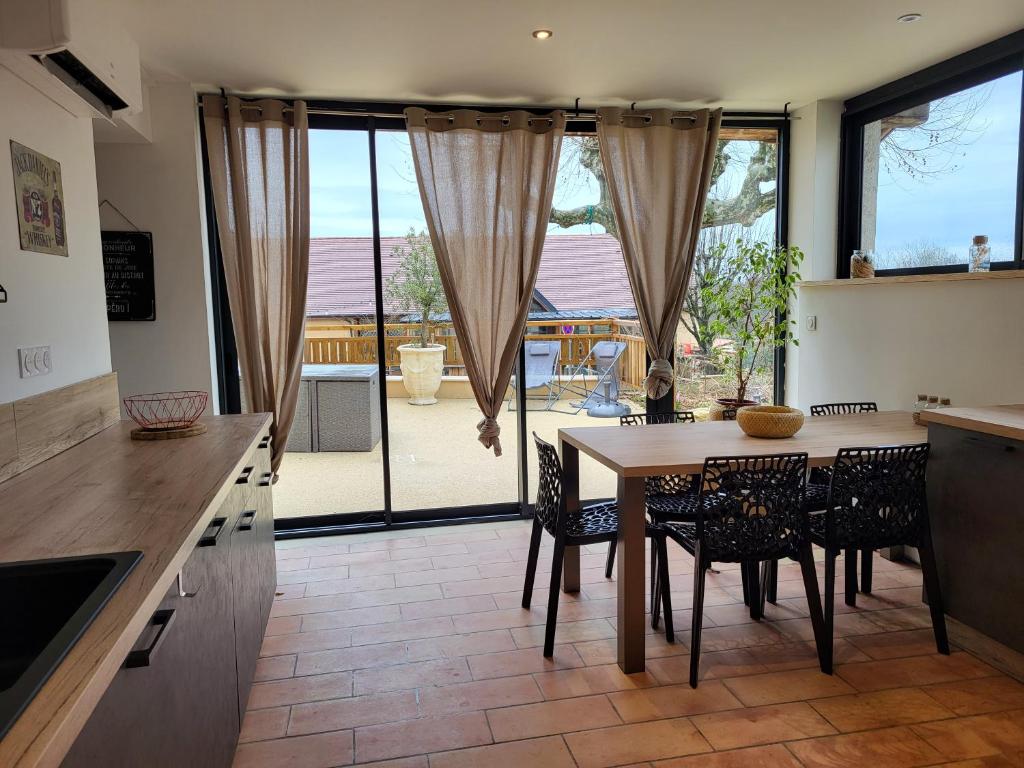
997, 59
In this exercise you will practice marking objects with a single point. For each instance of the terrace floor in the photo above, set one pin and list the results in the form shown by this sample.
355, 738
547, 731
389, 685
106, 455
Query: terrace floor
436, 461
408, 649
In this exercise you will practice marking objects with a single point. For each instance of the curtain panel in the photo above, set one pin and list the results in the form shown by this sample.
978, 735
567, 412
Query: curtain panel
486, 181
259, 172
658, 165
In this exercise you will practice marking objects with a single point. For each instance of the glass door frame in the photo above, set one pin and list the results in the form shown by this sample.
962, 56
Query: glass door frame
371, 117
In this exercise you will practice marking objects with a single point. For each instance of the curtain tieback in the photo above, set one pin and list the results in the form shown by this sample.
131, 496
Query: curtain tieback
489, 431
659, 378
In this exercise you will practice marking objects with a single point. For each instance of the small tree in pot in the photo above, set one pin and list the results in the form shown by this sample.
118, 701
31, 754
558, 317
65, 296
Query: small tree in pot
749, 299
416, 287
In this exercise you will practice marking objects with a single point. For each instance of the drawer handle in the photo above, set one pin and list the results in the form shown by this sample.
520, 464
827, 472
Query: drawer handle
266, 479
144, 656
210, 540
244, 477
264, 443
247, 520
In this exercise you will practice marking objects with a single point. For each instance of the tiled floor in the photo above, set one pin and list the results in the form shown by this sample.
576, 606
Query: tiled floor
409, 650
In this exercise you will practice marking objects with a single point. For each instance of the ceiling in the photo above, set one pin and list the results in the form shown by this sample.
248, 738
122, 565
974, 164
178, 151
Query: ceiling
740, 54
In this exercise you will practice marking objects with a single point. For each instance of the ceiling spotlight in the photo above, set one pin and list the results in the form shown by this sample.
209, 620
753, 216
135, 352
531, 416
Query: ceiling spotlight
909, 18
542, 34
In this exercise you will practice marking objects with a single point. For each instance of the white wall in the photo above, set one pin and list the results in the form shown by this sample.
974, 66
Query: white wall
158, 187
51, 299
887, 343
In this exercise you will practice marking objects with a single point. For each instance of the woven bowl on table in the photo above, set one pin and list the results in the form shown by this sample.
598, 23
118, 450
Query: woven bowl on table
166, 410
772, 421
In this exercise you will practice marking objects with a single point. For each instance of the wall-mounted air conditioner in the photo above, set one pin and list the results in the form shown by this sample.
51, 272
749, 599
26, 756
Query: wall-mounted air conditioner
72, 54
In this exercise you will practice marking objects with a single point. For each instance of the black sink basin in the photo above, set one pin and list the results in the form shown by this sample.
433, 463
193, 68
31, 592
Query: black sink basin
45, 606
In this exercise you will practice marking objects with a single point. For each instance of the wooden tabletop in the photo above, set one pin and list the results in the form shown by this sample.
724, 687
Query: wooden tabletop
664, 449
999, 420
113, 494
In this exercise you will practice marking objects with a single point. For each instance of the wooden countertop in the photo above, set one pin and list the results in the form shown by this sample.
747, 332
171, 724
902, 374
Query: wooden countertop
663, 449
999, 420
948, 277
113, 494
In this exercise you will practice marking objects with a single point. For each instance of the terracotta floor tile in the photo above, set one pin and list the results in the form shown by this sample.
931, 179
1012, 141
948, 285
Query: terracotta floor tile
980, 696
780, 687
635, 743
453, 646
343, 586
673, 701
295, 690
448, 607
773, 756
419, 761
262, 724
526, 661
415, 629
283, 625
893, 748
439, 551
473, 558
346, 558
673, 670
598, 652
590, 680
892, 645
565, 632
320, 662
356, 617
374, 598
913, 671
534, 753
310, 576
289, 591
376, 545
482, 586
479, 695
352, 712
322, 750
979, 736
428, 734
551, 717
989, 761
304, 642
390, 566
880, 709
437, 576
274, 668
400, 677
761, 725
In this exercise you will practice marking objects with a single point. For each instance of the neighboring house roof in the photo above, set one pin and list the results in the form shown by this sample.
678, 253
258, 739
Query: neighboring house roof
577, 273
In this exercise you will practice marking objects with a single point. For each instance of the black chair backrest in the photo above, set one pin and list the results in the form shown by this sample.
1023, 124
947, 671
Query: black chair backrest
752, 506
837, 409
673, 417
549, 485
729, 414
877, 497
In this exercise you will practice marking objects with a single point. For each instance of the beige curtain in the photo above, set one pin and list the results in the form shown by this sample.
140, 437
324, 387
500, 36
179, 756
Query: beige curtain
259, 171
486, 181
658, 166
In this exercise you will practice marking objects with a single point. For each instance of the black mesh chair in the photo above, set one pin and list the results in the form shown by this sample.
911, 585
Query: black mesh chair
817, 497
877, 499
592, 524
670, 497
751, 512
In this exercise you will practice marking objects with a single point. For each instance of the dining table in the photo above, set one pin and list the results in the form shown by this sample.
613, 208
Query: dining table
636, 452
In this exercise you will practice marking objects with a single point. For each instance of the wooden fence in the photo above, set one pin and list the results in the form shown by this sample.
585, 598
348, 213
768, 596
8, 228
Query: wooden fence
357, 343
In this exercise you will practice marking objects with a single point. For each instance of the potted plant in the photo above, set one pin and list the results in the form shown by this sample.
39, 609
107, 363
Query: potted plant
748, 300
416, 287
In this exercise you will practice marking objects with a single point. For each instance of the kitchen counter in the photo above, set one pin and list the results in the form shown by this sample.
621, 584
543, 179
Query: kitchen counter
998, 420
113, 494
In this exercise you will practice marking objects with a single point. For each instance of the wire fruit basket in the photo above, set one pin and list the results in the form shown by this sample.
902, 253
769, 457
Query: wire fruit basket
166, 412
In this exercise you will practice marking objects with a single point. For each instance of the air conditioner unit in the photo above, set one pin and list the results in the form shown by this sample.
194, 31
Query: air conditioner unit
72, 54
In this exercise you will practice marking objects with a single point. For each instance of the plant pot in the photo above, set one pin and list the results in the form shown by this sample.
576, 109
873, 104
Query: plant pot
719, 405
421, 371
771, 421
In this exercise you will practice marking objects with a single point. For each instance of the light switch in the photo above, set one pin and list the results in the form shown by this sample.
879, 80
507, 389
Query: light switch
34, 361
812, 322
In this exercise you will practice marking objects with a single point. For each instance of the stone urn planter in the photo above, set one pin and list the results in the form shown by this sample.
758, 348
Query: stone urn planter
421, 371
719, 405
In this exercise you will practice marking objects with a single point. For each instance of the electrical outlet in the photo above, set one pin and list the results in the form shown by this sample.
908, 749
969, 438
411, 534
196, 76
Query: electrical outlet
812, 322
34, 361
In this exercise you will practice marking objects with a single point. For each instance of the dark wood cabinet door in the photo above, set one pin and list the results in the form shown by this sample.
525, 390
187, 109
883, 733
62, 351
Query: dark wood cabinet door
176, 704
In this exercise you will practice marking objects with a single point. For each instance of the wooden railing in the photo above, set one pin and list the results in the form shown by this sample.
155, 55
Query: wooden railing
357, 343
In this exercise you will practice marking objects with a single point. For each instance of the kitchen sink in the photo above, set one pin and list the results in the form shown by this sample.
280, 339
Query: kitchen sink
45, 606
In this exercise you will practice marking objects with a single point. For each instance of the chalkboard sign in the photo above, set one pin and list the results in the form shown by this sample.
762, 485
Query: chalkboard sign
128, 275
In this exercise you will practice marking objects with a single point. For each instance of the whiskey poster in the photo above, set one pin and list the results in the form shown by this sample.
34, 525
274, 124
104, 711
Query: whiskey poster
39, 198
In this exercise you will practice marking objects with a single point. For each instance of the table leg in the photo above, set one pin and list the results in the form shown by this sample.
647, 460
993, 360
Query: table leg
571, 491
631, 574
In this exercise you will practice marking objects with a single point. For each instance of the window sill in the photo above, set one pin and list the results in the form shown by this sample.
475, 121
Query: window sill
1005, 274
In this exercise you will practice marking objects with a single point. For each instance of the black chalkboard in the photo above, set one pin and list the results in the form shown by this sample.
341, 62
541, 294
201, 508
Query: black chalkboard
128, 275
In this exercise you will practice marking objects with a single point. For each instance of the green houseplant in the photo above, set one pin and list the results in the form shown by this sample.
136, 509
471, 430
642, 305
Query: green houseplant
748, 300
416, 287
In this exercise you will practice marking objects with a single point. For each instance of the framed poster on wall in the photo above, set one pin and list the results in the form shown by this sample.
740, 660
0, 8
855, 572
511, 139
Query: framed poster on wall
128, 275
39, 198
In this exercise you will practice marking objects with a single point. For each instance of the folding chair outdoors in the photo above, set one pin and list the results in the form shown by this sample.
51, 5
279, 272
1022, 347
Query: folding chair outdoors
541, 371
602, 365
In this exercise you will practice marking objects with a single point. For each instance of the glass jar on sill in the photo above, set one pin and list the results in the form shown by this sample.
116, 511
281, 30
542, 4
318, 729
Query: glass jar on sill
862, 264
980, 255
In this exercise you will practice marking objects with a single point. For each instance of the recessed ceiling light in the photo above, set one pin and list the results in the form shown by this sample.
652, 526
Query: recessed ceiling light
909, 18
542, 34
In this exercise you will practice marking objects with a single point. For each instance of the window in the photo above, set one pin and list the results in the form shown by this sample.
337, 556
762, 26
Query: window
927, 170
